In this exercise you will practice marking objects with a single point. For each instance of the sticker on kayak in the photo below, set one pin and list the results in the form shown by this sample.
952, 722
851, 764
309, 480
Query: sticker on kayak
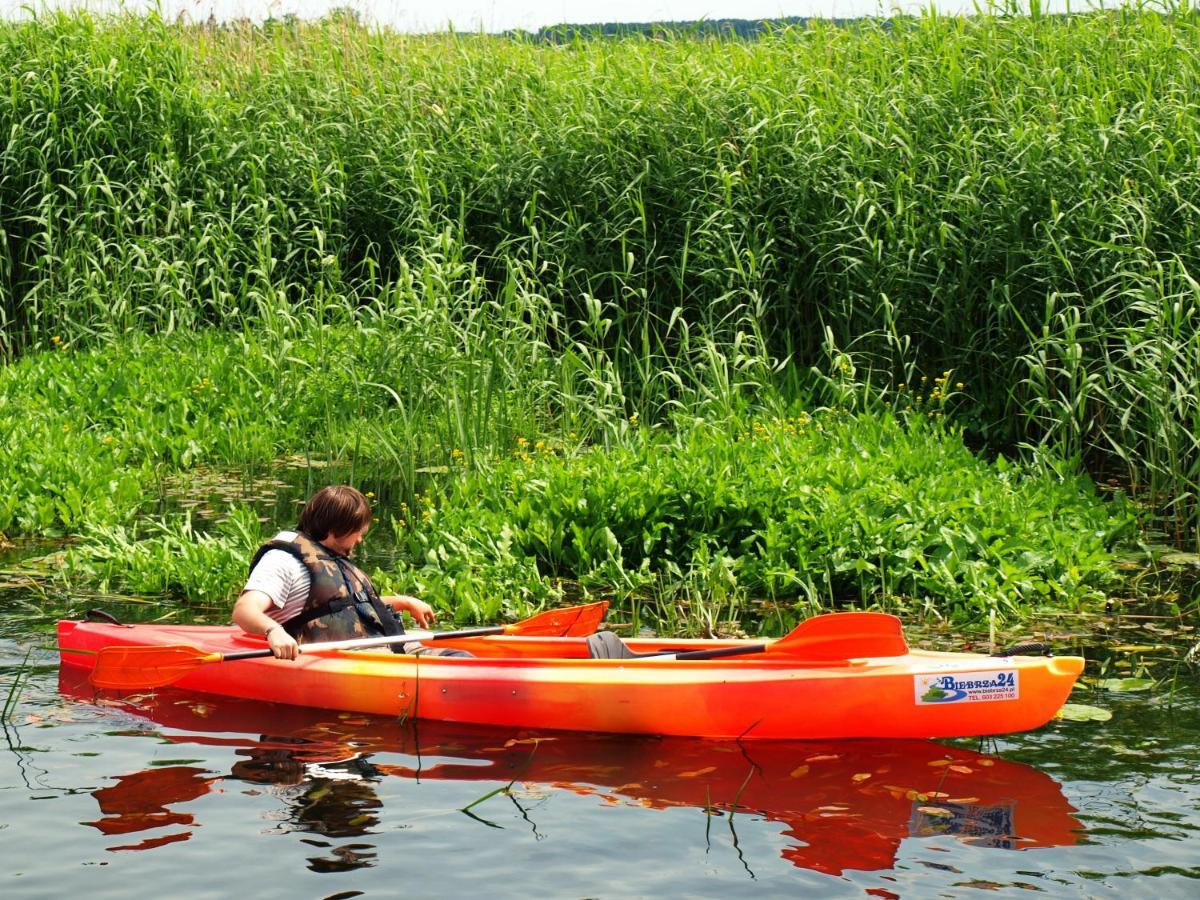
970, 687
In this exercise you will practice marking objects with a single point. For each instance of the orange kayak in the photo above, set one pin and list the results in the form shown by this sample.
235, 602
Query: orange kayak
550, 683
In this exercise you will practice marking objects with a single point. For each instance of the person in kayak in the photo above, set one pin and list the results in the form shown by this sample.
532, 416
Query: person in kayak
302, 587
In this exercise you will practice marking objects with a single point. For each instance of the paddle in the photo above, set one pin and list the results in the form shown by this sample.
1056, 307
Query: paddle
826, 638
149, 667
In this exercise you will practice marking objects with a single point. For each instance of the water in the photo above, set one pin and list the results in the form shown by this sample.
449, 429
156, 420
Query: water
182, 794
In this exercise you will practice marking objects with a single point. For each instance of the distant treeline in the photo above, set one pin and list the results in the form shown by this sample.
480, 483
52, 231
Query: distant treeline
740, 28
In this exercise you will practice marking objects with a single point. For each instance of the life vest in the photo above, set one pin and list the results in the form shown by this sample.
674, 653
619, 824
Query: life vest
342, 603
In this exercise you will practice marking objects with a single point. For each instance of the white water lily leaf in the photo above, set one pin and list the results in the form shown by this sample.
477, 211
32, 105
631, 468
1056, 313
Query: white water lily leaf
1081, 712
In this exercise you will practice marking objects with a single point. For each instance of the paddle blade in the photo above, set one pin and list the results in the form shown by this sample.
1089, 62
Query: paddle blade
128, 668
845, 635
569, 621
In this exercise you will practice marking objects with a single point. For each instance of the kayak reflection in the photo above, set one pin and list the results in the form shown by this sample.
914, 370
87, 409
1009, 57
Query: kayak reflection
139, 802
845, 805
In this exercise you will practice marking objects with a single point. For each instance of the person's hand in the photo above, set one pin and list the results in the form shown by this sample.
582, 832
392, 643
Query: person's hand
421, 611
282, 644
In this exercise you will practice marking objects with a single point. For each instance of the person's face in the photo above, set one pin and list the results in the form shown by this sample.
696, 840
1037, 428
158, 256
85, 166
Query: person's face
345, 543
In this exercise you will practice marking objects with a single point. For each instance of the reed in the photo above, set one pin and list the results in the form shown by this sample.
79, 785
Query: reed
13, 697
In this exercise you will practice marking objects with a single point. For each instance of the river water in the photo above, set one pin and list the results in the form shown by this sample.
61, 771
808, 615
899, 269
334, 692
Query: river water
170, 793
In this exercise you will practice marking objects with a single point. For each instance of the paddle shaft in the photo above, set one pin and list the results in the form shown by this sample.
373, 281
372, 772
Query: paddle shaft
381, 641
740, 650
146, 666
564, 621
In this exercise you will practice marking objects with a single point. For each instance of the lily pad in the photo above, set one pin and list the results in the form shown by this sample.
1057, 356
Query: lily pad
1178, 558
1081, 712
1125, 684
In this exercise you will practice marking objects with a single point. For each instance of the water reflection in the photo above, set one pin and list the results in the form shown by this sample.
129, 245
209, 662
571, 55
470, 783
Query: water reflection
336, 801
843, 805
139, 802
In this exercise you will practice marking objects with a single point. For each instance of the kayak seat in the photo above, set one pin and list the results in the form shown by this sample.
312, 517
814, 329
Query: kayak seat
416, 648
606, 645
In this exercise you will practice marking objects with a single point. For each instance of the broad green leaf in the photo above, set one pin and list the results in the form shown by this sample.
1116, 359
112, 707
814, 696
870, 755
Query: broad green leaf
1081, 712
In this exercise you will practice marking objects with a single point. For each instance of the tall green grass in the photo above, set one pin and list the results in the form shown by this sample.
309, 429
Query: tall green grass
1008, 197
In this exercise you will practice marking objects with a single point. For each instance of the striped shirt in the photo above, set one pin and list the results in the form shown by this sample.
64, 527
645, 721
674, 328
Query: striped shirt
284, 579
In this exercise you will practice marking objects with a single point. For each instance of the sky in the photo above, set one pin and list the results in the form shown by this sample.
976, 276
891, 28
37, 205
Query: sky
498, 15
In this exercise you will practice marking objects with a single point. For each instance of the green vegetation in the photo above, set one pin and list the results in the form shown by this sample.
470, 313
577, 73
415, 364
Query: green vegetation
228, 246
689, 524
800, 513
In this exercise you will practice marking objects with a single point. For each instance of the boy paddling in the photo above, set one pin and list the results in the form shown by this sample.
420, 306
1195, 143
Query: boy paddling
303, 588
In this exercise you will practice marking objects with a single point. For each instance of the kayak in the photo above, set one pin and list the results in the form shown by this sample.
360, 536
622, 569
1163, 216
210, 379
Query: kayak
552, 683
843, 805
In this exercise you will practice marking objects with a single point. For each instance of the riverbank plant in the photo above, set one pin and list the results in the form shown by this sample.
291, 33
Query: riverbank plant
705, 526
802, 513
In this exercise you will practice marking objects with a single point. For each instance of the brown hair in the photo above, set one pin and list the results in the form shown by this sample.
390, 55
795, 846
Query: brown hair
336, 509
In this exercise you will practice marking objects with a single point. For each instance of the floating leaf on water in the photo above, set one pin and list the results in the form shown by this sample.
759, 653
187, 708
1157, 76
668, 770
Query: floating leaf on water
1125, 684
821, 757
1081, 712
937, 811
534, 792
1122, 750
940, 762
962, 770
799, 771
1179, 558
1138, 648
861, 776
985, 762
698, 772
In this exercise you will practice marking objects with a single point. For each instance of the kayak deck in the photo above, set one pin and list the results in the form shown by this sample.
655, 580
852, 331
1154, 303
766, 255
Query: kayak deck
546, 682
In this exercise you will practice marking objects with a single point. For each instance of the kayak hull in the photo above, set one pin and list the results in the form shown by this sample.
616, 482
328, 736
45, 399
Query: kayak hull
842, 805
550, 683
